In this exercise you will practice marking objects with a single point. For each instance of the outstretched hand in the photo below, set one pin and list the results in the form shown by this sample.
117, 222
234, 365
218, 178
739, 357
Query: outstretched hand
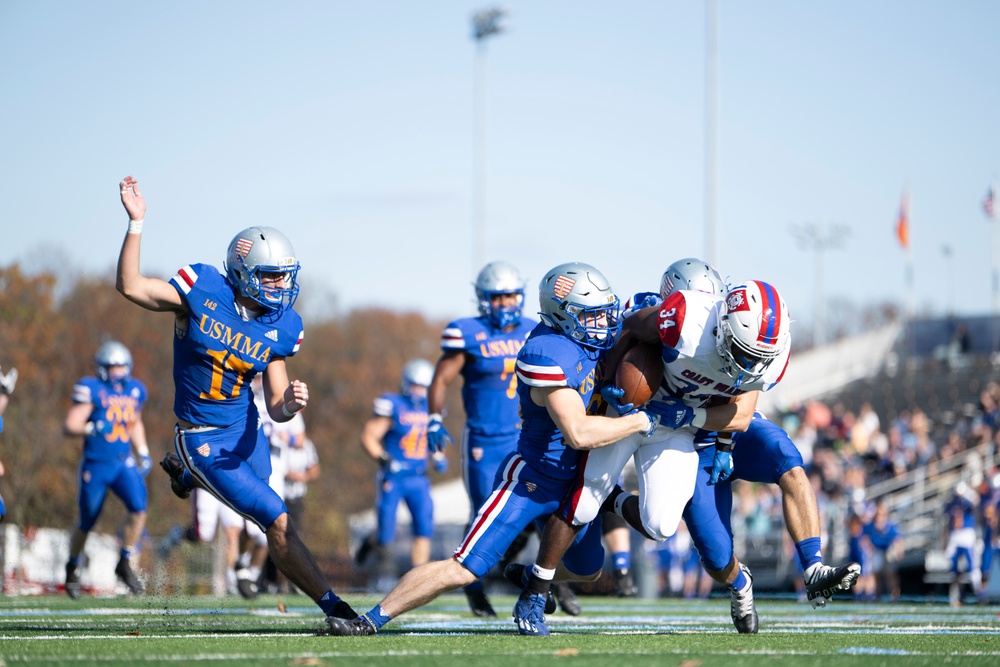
132, 199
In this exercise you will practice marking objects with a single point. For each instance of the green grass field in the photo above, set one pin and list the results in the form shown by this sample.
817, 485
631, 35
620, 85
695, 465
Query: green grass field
184, 630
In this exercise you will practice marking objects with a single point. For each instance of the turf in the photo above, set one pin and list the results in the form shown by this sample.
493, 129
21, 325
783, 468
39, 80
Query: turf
183, 630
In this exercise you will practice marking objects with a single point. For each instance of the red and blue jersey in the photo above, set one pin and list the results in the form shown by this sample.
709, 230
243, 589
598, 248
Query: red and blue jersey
116, 403
489, 388
550, 359
218, 355
406, 440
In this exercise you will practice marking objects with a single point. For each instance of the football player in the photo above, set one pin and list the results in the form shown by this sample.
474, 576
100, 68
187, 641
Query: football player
7, 382
228, 327
557, 373
396, 438
107, 413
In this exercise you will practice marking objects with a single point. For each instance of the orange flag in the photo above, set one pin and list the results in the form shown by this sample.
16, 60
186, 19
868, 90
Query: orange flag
903, 223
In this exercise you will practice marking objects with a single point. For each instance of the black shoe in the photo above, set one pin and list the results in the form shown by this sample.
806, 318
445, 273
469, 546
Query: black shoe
245, 585
359, 626
72, 582
514, 573
125, 573
742, 608
173, 466
567, 599
624, 586
826, 581
364, 550
343, 610
479, 603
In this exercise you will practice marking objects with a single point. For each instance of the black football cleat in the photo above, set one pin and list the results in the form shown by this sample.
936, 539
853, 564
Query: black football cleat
742, 607
359, 626
174, 468
73, 587
245, 584
624, 585
827, 580
344, 611
479, 603
568, 601
124, 572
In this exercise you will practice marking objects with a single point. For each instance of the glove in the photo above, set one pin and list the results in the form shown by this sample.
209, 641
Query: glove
99, 427
722, 467
654, 421
673, 412
440, 462
647, 301
144, 466
612, 396
437, 435
8, 381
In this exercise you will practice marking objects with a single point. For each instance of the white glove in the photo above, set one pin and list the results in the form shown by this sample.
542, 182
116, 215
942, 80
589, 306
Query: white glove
8, 381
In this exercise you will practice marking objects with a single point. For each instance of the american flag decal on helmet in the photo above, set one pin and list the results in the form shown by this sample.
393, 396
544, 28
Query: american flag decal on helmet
563, 286
243, 247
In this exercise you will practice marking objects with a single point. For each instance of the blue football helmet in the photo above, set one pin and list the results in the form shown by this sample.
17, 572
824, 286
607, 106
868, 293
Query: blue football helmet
111, 354
260, 250
416, 373
495, 279
692, 274
577, 301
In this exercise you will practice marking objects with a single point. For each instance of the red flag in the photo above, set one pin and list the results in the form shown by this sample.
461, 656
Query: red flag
989, 204
903, 223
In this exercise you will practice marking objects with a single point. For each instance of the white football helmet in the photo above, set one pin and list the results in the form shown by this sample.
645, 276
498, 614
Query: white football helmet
577, 301
692, 274
416, 373
259, 250
753, 330
499, 278
111, 354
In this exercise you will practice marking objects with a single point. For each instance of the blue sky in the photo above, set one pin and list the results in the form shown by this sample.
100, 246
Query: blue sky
349, 126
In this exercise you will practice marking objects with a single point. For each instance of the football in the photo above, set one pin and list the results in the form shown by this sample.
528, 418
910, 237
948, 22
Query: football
639, 373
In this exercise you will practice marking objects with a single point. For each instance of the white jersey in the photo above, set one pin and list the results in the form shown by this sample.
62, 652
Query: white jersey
693, 369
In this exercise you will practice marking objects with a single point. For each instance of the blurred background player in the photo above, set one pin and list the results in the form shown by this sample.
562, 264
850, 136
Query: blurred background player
483, 350
229, 327
7, 382
107, 412
396, 438
887, 552
960, 545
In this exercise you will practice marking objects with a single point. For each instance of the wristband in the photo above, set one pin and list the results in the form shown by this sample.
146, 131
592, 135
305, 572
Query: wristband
384, 457
285, 411
135, 226
700, 415
724, 444
88, 428
435, 417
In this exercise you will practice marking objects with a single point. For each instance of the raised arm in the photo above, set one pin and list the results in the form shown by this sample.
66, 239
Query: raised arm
150, 293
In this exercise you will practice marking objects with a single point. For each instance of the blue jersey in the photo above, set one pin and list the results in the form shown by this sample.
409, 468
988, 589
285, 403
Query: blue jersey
489, 388
550, 359
406, 440
218, 355
961, 513
118, 404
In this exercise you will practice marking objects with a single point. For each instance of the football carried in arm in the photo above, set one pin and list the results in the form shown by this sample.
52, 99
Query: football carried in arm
639, 373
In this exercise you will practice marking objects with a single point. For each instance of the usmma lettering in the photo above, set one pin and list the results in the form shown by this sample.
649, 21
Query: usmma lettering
501, 348
237, 343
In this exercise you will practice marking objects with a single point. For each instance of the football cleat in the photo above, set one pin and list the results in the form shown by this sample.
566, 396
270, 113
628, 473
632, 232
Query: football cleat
624, 585
127, 575
344, 611
479, 603
568, 601
245, 584
742, 608
827, 580
529, 614
173, 466
72, 582
358, 626
515, 574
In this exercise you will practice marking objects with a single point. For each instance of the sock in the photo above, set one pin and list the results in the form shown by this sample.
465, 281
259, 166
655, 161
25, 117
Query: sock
125, 553
619, 501
74, 561
476, 585
810, 552
622, 560
328, 602
540, 580
741, 583
377, 617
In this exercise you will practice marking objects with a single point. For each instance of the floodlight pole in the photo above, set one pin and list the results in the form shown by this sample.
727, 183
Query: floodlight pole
485, 24
711, 131
812, 236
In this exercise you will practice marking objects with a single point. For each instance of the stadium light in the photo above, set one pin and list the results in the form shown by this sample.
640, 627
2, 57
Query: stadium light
485, 24
813, 236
